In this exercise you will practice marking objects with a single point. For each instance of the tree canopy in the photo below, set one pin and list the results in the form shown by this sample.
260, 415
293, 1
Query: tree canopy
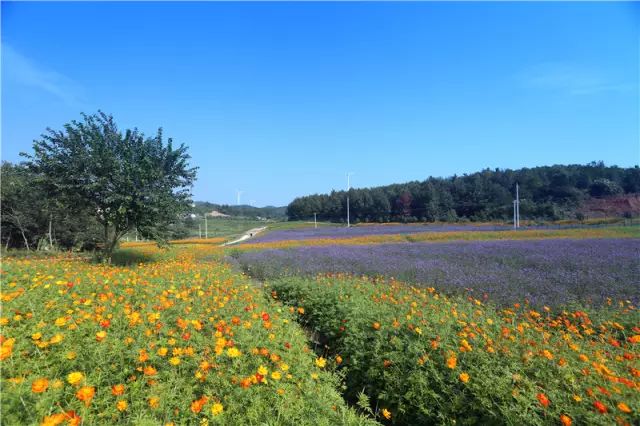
124, 180
550, 192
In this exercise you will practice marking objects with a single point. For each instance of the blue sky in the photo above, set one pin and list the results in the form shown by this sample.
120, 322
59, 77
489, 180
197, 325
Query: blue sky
282, 99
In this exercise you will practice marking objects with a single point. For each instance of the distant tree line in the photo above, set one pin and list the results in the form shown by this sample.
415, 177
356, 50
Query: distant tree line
89, 185
267, 212
546, 193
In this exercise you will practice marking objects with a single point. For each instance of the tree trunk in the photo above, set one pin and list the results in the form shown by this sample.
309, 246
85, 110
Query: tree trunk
6, 247
50, 236
24, 237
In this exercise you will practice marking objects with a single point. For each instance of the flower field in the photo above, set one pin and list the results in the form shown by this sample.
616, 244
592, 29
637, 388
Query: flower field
167, 342
309, 233
538, 327
442, 236
424, 358
545, 272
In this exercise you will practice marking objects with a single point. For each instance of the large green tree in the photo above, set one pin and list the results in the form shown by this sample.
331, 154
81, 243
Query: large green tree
126, 180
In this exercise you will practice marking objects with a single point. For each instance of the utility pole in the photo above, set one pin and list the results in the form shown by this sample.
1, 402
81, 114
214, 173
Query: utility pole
516, 209
206, 227
199, 230
518, 205
348, 187
315, 220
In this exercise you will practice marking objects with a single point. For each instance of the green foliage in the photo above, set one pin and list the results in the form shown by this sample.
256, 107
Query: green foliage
125, 180
551, 192
33, 217
430, 359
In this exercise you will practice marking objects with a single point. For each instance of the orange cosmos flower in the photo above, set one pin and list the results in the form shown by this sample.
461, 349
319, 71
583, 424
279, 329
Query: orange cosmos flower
602, 409
85, 394
122, 405
196, 406
376, 325
542, 398
54, 419
150, 371
117, 389
624, 408
565, 420
39, 385
464, 377
452, 362
101, 335
386, 413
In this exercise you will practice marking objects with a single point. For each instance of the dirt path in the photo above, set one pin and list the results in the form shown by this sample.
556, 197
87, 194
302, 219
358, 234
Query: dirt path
249, 234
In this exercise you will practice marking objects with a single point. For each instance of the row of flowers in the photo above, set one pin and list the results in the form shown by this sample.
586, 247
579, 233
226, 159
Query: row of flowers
425, 358
168, 342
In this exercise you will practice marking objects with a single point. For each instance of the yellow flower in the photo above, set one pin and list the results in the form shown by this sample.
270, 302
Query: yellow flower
321, 362
75, 378
122, 405
56, 339
386, 413
276, 375
464, 377
174, 360
71, 355
217, 409
233, 352
154, 402
262, 370
162, 351
36, 336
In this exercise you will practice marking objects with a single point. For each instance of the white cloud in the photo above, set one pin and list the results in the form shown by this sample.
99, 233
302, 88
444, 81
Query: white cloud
20, 69
571, 79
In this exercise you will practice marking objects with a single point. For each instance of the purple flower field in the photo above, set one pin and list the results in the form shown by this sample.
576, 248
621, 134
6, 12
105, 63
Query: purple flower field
546, 272
360, 231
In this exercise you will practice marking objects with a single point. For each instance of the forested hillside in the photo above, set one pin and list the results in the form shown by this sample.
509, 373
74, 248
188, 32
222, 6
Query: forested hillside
267, 212
550, 192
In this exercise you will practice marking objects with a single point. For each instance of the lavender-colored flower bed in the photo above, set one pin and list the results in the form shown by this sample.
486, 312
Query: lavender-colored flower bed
361, 231
546, 272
